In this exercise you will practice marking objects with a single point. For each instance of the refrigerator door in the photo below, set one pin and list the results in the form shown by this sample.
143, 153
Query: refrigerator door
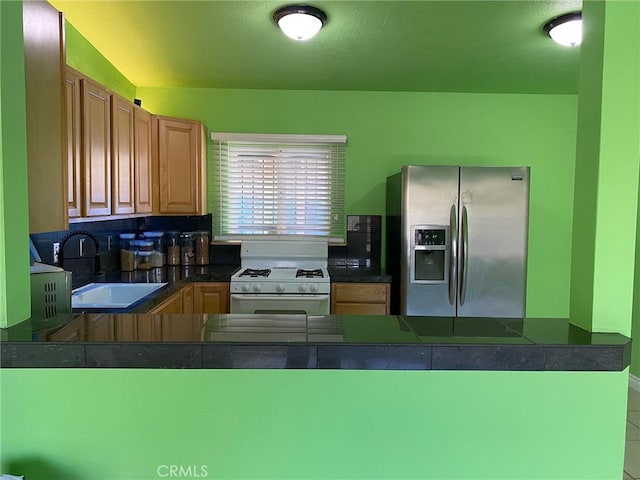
428, 245
493, 225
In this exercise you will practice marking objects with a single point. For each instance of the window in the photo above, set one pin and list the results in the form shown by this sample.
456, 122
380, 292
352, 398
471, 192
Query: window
277, 185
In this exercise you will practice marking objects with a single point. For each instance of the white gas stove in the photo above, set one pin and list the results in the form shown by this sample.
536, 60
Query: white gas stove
281, 277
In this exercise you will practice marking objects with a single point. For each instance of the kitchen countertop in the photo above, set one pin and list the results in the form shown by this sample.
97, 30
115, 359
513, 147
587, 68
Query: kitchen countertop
313, 342
177, 277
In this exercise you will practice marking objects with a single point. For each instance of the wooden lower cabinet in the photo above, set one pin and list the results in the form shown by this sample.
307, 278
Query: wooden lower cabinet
360, 298
74, 331
182, 328
187, 299
205, 297
100, 327
211, 298
173, 304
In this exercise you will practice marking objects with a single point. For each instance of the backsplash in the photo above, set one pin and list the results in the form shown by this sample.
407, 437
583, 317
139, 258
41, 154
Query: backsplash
107, 233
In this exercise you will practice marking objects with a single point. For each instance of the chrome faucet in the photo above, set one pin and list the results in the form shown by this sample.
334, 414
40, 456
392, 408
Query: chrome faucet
96, 258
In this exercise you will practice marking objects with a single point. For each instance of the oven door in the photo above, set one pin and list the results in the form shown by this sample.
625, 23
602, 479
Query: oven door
283, 303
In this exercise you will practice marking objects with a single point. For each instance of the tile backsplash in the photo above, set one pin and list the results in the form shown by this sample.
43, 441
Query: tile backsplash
107, 234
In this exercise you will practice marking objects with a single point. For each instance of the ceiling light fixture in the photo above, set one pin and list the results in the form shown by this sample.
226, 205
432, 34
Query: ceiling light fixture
300, 22
565, 29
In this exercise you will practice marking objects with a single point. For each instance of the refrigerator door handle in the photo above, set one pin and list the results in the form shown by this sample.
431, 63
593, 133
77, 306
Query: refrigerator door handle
464, 255
453, 254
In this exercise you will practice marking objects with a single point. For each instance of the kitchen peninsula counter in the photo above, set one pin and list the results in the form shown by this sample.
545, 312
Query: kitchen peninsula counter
315, 342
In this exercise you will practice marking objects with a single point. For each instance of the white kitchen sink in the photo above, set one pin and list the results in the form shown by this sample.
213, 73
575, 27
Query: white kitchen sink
111, 295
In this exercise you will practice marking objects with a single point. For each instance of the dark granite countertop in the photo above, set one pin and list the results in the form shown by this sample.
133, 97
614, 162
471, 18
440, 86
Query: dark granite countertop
309, 342
358, 275
177, 277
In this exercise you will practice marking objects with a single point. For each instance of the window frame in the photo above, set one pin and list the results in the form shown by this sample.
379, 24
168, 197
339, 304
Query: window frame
336, 227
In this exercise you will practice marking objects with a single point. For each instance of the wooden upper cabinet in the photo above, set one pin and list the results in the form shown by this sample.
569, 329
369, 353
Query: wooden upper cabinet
44, 60
96, 141
142, 156
72, 124
180, 164
122, 155
211, 298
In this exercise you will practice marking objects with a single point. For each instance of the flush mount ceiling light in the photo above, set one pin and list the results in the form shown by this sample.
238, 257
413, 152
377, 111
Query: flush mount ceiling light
300, 22
565, 29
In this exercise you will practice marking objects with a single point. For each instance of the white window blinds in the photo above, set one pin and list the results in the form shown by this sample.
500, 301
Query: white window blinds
278, 185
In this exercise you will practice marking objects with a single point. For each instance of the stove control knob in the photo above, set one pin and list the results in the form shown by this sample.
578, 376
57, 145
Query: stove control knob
245, 287
257, 287
280, 288
303, 287
313, 288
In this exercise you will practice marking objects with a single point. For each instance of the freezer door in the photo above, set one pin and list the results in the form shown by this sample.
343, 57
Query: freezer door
429, 204
493, 226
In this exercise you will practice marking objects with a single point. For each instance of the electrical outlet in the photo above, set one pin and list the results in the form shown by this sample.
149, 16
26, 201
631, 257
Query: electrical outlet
56, 252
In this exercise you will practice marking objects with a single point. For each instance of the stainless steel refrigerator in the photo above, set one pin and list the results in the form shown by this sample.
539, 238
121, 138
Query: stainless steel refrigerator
457, 240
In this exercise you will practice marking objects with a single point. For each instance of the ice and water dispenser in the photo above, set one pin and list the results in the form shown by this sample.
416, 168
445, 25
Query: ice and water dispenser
429, 254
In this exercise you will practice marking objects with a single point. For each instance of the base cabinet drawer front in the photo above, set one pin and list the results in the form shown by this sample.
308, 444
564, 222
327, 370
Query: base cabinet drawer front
360, 292
360, 298
211, 298
360, 309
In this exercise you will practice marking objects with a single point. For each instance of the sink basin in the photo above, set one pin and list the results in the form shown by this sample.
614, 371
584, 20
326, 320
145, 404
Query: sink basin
111, 295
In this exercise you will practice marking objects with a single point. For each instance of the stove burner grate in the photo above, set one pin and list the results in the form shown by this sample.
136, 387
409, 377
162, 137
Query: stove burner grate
317, 273
253, 272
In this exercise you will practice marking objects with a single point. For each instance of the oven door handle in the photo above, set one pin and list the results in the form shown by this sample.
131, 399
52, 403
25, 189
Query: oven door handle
283, 296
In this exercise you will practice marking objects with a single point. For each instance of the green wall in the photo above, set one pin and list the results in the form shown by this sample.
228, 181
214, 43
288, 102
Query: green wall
107, 424
388, 130
15, 300
607, 169
84, 57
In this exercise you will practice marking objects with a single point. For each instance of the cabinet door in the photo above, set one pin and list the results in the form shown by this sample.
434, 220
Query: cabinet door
44, 61
96, 153
179, 165
187, 299
148, 328
100, 327
173, 304
211, 298
126, 327
360, 298
122, 150
142, 146
72, 332
72, 123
